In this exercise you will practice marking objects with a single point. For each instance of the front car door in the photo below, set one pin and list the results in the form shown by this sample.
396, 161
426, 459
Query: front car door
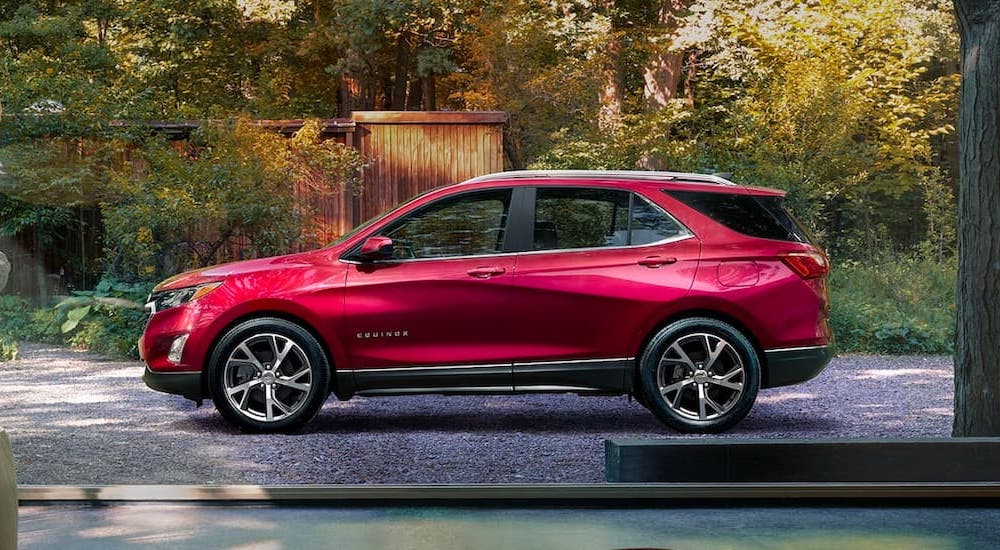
437, 314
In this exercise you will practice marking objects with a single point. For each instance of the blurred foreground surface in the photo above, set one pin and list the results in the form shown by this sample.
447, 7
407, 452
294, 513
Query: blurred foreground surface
443, 528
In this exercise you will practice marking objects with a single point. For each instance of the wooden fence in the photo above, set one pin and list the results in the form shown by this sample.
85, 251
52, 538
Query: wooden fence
407, 153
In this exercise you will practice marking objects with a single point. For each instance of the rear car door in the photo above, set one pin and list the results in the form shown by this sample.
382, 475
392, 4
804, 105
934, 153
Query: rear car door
602, 265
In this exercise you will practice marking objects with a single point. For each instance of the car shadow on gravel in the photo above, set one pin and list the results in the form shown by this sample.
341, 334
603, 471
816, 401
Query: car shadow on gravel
359, 420
496, 422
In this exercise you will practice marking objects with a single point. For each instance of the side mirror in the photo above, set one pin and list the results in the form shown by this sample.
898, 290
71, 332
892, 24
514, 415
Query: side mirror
376, 248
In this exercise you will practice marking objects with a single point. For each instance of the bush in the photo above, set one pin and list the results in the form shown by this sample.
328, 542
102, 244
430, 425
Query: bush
111, 323
108, 319
8, 347
902, 305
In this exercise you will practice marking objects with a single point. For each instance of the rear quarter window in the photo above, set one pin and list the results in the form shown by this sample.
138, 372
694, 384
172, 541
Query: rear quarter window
757, 216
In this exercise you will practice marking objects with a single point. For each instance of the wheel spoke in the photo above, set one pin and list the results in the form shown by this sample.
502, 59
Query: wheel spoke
243, 387
725, 382
294, 385
675, 386
702, 398
281, 407
279, 356
245, 400
683, 357
300, 374
711, 403
252, 359
711, 354
269, 402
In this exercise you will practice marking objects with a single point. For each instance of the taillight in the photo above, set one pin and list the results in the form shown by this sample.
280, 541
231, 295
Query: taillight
807, 265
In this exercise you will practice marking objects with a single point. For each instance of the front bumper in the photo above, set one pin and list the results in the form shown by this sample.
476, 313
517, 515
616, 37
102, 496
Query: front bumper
794, 365
187, 384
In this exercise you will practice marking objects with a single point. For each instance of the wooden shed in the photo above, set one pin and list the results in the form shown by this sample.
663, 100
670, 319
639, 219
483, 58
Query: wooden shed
410, 152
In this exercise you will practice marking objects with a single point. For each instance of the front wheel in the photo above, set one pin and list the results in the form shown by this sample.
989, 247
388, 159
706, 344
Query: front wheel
268, 375
700, 375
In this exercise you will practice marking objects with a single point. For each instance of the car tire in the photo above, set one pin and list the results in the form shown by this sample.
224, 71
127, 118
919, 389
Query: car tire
700, 375
268, 375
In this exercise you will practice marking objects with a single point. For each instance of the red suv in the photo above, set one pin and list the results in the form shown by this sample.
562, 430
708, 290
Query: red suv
686, 291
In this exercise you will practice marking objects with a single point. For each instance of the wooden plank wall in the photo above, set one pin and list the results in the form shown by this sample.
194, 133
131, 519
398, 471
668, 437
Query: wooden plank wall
410, 152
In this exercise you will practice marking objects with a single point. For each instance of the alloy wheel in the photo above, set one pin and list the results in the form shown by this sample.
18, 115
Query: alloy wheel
701, 376
267, 377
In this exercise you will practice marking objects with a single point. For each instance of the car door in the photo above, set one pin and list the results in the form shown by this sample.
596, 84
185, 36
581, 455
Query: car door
603, 264
437, 313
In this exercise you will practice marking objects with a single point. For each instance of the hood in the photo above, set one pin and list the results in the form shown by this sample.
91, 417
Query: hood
222, 271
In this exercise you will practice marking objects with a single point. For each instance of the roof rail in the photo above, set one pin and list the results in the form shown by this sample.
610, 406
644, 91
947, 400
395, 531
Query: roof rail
651, 175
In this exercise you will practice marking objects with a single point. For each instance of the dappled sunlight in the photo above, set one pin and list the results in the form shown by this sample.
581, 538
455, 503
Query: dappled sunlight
86, 422
879, 374
783, 396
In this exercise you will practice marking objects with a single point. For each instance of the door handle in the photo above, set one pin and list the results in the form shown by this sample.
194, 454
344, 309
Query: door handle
486, 272
656, 261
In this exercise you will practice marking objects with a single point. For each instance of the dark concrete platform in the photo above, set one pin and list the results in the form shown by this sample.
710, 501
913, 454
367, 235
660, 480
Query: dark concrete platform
959, 460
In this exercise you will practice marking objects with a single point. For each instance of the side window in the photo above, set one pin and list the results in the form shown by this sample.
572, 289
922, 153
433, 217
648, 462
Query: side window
594, 218
580, 218
471, 224
762, 217
650, 224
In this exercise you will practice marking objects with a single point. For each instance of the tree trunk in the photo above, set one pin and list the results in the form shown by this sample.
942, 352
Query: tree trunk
402, 74
415, 95
690, 71
350, 90
662, 73
609, 114
977, 348
429, 92
609, 117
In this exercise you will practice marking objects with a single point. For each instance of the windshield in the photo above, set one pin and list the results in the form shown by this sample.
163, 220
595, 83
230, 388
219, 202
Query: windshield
372, 221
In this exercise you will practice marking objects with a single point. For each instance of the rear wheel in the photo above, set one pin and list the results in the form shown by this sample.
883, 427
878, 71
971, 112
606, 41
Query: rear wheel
269, 375
700, 375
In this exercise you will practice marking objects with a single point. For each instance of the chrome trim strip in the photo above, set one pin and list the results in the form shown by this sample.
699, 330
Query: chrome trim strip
653, 175
505, 494
803, 348
668, 240
556, 388
485, 365
419, 368
573, 361
443, 390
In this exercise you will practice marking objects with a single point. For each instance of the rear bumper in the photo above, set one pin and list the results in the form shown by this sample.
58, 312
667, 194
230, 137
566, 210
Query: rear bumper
794, 365
187, 384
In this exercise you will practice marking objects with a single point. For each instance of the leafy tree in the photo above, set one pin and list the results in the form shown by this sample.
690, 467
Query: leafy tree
229, 194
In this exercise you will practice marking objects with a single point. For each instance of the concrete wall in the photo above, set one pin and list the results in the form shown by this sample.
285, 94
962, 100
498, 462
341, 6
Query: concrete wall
8, 496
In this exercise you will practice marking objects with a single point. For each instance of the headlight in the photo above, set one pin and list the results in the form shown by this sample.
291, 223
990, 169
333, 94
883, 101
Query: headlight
159, 301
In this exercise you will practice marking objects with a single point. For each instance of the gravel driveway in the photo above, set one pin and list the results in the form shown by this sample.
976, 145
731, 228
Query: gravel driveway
76, 418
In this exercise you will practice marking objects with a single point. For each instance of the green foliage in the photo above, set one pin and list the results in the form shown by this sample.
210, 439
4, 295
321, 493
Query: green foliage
110, 330
20, 321
109, 296
901, 305
8, 348
236, 183
108, 320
